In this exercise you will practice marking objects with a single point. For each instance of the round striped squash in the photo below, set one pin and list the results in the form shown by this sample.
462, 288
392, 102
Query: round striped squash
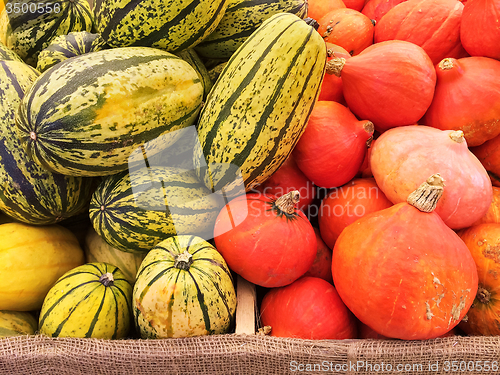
172, 25
28, 26
17, 323
137, 210
29, 193
184, 288
92, 300
259, 106
97, 250
241, 19
97, 114
64, 47
32, 258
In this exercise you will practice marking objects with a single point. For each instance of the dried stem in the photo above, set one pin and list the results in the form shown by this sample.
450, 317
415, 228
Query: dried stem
286, 203
427, 195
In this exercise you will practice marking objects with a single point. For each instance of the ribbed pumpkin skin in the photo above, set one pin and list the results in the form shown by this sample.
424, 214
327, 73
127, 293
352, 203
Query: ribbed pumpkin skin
31, 260
242, 18
65, 46
82, 124
137, 222
79, 305
97, 250
258, 108
173, 302
170, 25
16, 323
28, 33
29, 193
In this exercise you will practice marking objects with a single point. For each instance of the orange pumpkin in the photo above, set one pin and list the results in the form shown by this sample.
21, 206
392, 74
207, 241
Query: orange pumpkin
322, 266
318, 8
483, 242
493, 213
489, 155
331, 87
375, 9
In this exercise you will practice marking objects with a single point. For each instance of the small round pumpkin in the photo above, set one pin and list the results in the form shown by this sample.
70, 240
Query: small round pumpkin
183, 288
266, 240
309, 308
483, 241
403, 272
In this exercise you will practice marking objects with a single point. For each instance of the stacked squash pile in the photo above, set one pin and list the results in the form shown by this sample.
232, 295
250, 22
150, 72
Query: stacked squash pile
341, 156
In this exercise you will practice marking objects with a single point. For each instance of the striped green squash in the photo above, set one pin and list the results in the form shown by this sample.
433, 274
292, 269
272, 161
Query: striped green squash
7, 54
17, 323
260, 104
81, 124
183, 288
190, 56
28, 26
92, 300
241, 19
66, 46
28, 192
97, 250
137, 210
172, 25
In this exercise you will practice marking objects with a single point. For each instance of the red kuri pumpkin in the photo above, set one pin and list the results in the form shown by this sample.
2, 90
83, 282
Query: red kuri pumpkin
483, 241
268, 241
331, 87
343, 206
493, 213
322, 266
403, 272
480, 28
333, 146
434, 25
355, 4
316, 9
403, 157
375, 9
390, 83
489, 155
347, 28
366, 170
309, 308
467, 98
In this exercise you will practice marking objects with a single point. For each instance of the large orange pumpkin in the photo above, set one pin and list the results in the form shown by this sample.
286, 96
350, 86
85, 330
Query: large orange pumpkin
483, 241
403, 272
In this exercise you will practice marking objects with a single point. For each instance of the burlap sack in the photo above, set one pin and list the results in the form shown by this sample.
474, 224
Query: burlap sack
247, 354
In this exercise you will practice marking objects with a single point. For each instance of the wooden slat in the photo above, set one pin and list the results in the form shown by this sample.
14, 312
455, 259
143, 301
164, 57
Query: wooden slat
246, 306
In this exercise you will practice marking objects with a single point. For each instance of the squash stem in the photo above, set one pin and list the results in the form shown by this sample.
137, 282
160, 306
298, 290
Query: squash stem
183, 261
427, 195
107, 279
483, 295
335, 66
286, 203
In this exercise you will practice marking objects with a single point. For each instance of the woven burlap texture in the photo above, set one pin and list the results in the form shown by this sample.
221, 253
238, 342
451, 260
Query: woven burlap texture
247, 354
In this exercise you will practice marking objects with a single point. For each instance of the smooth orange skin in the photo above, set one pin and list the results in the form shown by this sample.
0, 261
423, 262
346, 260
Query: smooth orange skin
318, 8
333, 146
331, 87
493, 213
350, 29
433, 25
404, 157
483, 242
355, 4
467, 98
394, 267
264, 248
366, 170
375, 9
309, 308
322, 266
489, 155
390, 83
343, 206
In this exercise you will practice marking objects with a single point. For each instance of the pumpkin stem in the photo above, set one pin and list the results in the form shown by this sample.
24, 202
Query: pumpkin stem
427, 195
483, 295
286, 203
335, 66
183, 261
107, 279
457, 136
446, 64
312, 22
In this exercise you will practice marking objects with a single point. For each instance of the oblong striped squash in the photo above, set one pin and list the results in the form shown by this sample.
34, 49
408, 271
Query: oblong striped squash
32, 258
260, 104
7, 54
16, 323
92, 300
64, 47
241, 19
29, 193
189, 55
81, 124
135, 211
97, 250
172, 25
183, 288
28, 26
